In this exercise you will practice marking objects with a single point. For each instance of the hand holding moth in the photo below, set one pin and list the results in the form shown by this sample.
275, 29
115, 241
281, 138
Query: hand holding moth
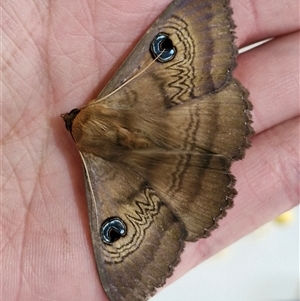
157, 164
47, 199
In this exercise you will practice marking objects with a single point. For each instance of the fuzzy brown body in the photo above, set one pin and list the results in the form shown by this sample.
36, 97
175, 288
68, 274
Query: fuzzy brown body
159, 161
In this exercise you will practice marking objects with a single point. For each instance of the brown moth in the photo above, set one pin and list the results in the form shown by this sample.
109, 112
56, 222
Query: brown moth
157, 146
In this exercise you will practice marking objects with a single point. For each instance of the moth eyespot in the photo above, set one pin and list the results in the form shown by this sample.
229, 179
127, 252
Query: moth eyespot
162, 48
112, 230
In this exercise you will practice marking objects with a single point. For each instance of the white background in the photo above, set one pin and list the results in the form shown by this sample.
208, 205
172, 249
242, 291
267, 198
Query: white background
263, 266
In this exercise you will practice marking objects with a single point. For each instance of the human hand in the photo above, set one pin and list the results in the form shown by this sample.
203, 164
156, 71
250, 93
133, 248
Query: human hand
58, 55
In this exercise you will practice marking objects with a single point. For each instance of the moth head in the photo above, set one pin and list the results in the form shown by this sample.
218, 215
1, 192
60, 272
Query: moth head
69, 117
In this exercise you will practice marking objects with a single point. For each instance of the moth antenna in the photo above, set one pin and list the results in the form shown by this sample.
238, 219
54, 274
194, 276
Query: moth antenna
125, 83
89, 183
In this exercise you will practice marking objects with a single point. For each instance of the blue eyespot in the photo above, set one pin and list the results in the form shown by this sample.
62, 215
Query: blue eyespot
162, 48
112, 230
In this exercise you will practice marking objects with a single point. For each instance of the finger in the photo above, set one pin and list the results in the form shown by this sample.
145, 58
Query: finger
270, 73
259, 20
255, 20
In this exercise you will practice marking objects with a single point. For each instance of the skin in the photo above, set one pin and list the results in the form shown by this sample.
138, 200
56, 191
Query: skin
57, 55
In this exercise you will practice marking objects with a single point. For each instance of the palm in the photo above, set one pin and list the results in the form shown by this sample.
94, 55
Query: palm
56, 58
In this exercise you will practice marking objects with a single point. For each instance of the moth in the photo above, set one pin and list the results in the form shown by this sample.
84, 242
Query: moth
157, 145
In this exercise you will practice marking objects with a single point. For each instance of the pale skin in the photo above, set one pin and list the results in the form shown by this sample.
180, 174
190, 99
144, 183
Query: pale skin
57, 56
